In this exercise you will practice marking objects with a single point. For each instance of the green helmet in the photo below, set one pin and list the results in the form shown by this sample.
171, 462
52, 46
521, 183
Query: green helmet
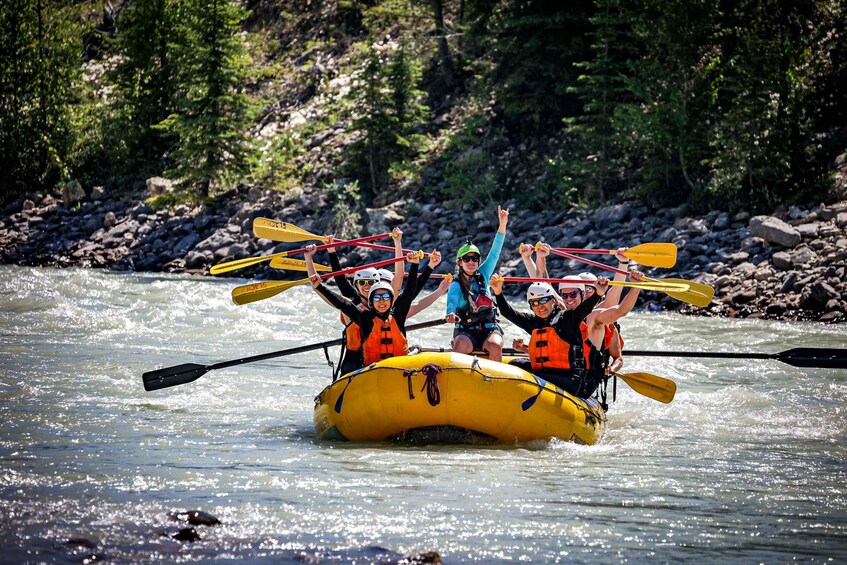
467, 248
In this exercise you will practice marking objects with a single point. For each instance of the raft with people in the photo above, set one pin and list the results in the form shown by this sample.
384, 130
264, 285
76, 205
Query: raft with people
434, 397
554, 385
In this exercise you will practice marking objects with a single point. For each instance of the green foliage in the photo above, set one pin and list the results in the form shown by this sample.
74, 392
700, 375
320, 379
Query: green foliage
145, 79
345, 208
387, 101
170, 199
280, 167
526, 54
707, 102
212, 111
39, 63
469, 170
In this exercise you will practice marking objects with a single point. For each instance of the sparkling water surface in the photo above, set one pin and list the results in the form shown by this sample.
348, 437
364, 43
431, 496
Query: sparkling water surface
748, 464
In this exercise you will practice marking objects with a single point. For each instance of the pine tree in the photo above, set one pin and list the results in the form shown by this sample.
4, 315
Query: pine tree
212, 112
145, 81
40, 50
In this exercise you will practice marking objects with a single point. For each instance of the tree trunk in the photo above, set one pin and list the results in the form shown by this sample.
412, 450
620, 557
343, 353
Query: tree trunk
441, 36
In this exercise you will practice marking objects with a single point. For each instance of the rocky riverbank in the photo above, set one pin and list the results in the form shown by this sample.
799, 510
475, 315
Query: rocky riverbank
789, 265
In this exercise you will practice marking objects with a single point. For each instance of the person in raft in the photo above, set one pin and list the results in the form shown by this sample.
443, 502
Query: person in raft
357, 291
469, 304
382, 325
396, 279
612, 343
559, 351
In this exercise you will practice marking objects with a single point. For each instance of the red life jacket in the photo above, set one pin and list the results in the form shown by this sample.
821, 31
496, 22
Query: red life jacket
385, 340
547, 350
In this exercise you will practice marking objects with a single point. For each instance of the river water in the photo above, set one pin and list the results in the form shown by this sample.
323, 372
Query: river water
748, 464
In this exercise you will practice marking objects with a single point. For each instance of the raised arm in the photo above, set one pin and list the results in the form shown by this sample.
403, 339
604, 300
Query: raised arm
586, 306
542, 250
312, 272
486, 269
344, 287
344, 304
613, 297
430, 299
399, 266
410, 290
521, 319
611, 315
526, 256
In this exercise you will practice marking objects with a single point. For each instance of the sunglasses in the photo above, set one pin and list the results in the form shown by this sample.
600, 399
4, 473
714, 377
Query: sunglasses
363, 282
538, 301
589, 290
381, 297
470, 258
572, 294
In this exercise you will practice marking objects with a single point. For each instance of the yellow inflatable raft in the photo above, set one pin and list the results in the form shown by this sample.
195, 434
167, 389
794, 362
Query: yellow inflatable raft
453, 398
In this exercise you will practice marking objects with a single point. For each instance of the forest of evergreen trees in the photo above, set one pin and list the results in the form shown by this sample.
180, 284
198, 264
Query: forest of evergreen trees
710, 102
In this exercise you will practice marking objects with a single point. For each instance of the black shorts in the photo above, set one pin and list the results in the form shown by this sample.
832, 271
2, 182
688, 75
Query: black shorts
477, 335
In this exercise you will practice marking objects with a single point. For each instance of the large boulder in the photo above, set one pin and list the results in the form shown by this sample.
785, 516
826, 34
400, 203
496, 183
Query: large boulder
774, 230
159, 185
72, 193
385, 218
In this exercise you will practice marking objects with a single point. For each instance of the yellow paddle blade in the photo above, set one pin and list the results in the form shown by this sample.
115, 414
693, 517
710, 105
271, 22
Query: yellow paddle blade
282, 231
699, 294
653, 254
295, 265
649, 385
663, 285
243, 263
261, 290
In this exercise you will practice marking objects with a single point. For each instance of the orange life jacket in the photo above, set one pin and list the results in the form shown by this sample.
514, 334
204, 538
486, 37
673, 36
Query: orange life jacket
547, 350
385, 340
352, 332
607, 340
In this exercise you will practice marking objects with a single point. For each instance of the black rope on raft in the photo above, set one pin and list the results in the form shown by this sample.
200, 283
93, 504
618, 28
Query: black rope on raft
408, 373
433, 394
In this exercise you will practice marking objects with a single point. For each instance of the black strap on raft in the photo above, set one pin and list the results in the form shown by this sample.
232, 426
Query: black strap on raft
408, 374
602, 391
330, 363
433, 394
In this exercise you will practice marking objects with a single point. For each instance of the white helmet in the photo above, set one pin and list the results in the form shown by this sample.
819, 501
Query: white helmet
385, 275
577, 286
365, 274
590, 277
539, 290
380, 287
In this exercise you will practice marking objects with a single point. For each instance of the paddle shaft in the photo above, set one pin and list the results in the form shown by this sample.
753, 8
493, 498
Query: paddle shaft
657, 286
188, 372
304, 348
588, 262
359, 241
798, 357
376, 265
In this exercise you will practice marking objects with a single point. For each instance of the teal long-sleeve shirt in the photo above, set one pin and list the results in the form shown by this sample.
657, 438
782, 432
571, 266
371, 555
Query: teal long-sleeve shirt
455, 297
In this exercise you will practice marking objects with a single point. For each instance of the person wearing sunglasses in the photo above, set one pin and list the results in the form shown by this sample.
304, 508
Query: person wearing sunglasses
382, 325
558, 347
357, 291
469, 303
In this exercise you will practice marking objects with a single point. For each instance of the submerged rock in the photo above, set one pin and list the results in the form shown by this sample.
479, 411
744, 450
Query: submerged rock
195, 518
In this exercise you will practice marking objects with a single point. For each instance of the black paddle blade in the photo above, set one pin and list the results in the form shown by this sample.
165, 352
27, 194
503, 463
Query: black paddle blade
815, 357
173, 376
